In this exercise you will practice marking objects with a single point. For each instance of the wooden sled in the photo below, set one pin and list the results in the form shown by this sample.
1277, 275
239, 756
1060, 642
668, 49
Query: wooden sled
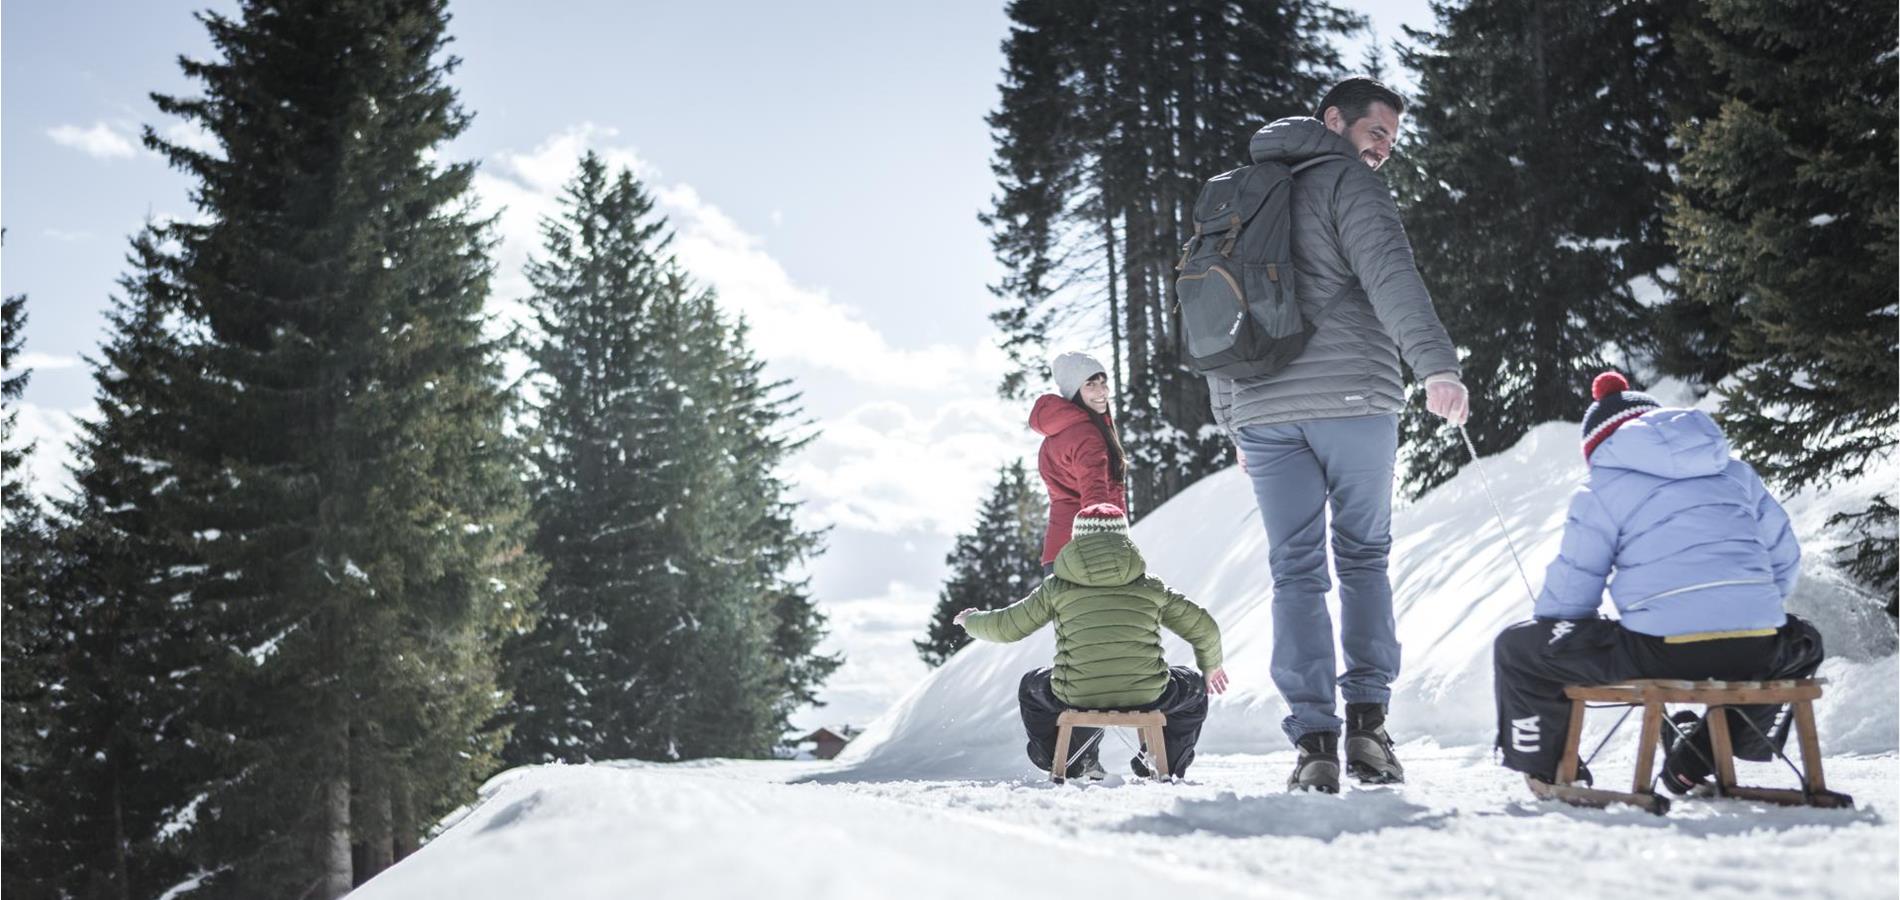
1148, 724
1651, 695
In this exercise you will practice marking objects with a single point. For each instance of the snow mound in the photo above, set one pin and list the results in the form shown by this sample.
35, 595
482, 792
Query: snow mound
1454, 588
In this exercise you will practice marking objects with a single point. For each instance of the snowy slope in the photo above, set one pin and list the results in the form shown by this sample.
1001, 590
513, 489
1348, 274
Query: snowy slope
739, 830
1454, 588
937, 801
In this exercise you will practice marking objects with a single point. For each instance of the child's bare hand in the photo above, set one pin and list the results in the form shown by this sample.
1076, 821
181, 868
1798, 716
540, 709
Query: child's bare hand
963, 615
1217, 681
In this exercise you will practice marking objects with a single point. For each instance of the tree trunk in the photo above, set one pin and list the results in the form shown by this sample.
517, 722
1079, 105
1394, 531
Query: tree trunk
336, 878
335, 862
1548, 365
121, 848
1140, 412
376, 850
1120, 377
403, 826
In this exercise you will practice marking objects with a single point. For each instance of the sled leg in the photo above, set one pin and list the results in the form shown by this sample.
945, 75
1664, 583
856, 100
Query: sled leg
1059, 767
1158, 748
1567, 767
1646, 751
1810, 745
1724, 748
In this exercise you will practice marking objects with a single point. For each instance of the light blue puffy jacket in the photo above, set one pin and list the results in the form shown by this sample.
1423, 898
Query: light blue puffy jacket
1694, 539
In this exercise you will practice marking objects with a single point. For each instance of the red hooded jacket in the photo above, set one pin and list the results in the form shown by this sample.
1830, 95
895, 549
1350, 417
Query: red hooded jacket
1074, 467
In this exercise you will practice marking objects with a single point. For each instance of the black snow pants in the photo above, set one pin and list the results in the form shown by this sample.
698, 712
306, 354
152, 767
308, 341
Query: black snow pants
1534, 660
1183, 701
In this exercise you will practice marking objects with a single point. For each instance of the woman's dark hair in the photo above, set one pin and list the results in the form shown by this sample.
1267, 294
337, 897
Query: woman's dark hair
1117, 459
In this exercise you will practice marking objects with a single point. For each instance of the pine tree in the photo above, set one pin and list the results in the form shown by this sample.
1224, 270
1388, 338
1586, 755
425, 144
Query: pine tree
660, 510
118, 768
584, 676
1532, 191
992, 566
756, 418
28, 772
1786, 218
1110, 118
369, 517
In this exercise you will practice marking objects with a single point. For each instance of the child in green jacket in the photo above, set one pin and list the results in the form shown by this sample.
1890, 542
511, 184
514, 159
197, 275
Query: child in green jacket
1109, 614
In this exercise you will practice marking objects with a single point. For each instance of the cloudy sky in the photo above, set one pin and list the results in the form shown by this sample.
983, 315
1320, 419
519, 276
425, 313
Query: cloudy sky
822, 162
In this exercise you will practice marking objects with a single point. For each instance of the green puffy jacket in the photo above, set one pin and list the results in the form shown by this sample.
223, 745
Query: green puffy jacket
1109, 614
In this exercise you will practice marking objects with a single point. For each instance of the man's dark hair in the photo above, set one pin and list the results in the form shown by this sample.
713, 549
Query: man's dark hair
1355, 96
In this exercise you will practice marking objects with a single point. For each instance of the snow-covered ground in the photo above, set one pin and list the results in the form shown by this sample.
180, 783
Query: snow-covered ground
937, 800
1460, 829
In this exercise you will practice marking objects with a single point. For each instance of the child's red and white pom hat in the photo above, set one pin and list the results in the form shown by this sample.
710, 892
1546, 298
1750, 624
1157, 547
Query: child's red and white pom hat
1102, 518
1615, 404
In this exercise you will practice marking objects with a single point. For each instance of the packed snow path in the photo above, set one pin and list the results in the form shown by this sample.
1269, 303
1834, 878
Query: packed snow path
1462, 828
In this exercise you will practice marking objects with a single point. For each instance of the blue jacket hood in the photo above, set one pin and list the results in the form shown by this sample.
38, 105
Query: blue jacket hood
1666, 443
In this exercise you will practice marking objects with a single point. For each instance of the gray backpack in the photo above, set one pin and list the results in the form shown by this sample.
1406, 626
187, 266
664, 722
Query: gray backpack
1240, 314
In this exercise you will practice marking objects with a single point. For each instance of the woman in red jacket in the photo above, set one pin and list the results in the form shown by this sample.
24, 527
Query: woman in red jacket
1081, 461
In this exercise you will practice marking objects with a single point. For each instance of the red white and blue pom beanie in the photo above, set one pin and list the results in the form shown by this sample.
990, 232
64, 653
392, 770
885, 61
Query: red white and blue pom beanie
1102, 518
1615, 404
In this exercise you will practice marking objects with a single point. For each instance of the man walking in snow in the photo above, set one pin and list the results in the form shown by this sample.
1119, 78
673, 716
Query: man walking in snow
1322, 433
1109, 613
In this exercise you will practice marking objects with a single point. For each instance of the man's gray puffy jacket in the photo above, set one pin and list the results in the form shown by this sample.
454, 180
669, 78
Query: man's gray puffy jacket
1346, 237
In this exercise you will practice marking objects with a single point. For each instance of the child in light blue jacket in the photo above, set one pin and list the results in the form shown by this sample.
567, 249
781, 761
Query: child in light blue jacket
1698, 559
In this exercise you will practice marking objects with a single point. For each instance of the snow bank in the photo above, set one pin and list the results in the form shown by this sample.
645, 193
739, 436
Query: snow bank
1454, 585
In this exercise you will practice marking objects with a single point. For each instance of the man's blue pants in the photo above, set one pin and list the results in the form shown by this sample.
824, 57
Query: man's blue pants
1299, 470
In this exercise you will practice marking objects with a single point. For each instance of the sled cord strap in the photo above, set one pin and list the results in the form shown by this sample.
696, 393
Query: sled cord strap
1606, 738
1499, 512
1084, 749
1777, 748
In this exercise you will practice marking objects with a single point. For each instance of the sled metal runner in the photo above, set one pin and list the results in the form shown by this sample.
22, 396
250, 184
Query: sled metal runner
1650, 695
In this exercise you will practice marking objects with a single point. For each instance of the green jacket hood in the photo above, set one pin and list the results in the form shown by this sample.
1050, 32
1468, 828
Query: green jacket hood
1101, 560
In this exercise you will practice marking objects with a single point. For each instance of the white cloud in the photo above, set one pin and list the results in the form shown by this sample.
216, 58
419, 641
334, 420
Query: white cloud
101, 141
60, 234
193, 136
887, 467
791, 323
922, 433
51, 431
797, 323
40, 362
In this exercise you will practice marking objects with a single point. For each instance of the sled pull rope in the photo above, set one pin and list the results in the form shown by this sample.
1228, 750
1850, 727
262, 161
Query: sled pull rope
1499, 512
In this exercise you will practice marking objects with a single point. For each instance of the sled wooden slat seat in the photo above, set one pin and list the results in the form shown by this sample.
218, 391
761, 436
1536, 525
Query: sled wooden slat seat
1148, 724
1651, 694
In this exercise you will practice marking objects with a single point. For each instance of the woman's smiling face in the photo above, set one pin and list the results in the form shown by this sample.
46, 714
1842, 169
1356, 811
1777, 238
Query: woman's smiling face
1095, 393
